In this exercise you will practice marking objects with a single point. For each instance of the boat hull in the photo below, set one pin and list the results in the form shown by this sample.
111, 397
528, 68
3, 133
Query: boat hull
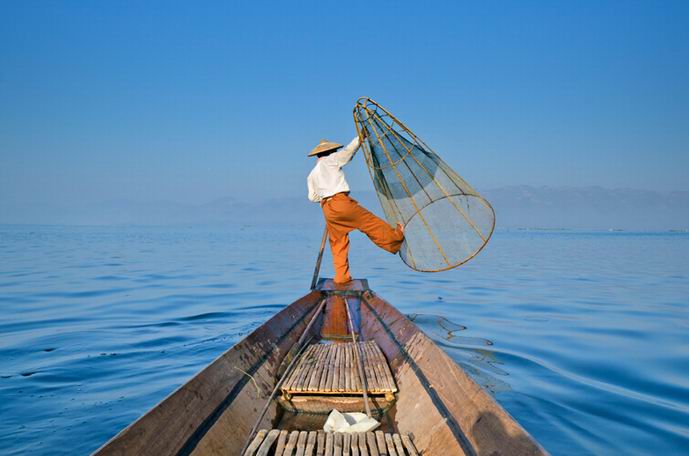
436, 402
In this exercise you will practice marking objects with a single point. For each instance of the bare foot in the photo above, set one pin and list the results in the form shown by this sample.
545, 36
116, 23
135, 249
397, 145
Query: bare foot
400, 227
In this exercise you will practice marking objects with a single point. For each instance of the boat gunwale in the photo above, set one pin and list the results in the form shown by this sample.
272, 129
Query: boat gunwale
410, 359
149, 414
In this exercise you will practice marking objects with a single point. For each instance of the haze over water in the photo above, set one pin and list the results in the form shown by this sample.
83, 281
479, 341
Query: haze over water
582, 336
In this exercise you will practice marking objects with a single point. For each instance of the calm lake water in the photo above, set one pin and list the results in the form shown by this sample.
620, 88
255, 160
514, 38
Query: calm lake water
582, 337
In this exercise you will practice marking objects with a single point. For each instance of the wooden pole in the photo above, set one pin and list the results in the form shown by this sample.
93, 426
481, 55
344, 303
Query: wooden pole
319, 259
360, 365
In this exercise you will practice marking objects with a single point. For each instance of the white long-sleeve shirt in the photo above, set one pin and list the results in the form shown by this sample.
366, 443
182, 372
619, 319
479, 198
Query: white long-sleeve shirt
327, 177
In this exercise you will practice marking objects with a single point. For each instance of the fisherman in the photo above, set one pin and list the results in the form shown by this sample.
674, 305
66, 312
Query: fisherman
328, 186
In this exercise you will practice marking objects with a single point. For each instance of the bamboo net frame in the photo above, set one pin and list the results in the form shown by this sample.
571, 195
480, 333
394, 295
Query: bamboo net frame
447, 222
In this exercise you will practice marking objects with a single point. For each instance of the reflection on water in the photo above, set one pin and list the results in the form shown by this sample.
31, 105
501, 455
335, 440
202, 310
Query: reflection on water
582, 337
481, 364
443, 328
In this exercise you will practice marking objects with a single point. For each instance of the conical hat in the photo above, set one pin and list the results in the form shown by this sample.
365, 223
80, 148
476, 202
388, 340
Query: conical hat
324, 146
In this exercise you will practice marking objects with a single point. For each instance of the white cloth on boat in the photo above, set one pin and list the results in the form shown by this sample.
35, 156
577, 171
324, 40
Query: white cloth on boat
349, 422
327, 178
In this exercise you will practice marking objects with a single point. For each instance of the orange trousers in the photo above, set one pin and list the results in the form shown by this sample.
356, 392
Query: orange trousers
342, 215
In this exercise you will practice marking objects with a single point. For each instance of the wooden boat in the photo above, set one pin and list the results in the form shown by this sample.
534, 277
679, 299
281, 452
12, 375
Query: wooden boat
301, 364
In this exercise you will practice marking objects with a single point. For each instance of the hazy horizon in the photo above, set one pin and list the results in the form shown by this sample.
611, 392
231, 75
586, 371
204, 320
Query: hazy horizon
588, 208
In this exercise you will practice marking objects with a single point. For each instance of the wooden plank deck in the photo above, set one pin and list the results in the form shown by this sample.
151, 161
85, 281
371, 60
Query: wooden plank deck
332, 369
330, 444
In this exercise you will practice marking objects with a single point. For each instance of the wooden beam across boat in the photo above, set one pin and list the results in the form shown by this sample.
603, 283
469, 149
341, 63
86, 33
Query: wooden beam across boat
435, 406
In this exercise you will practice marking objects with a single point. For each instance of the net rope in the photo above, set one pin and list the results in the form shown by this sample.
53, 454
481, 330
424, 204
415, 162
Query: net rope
447, 222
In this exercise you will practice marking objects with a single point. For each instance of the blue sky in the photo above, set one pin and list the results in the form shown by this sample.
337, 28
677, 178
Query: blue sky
192, 101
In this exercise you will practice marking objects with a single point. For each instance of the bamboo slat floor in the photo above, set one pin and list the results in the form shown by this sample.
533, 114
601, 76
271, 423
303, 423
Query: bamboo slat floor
332, 369
318, 443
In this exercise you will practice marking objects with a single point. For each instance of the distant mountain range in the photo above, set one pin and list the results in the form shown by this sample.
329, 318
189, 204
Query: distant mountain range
593, 208
582, 208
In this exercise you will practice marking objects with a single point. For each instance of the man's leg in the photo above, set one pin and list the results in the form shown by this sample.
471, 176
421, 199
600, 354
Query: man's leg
377, 230
339, 247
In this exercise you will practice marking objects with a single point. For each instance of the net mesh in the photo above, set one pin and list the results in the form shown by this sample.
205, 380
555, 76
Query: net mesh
446, 221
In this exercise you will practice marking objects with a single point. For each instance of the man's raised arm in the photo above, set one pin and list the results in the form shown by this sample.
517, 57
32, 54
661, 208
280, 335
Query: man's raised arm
345, 155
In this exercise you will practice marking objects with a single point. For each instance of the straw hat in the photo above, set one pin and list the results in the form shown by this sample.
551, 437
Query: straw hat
324, 146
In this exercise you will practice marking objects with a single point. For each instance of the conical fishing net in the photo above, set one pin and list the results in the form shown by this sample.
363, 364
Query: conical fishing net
446, 221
